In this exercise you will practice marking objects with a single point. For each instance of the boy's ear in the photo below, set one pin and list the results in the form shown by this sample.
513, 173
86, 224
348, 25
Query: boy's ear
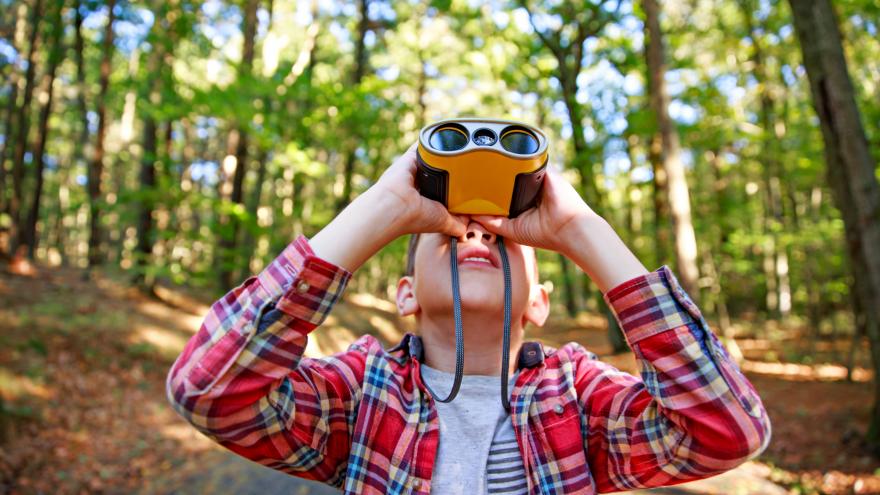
407, 304
539, 306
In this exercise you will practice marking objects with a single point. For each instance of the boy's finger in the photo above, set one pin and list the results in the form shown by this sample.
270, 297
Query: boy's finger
455, 226
442, 220
408, 158
497, 225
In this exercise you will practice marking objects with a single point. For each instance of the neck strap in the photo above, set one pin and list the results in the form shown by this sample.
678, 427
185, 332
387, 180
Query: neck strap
459, 334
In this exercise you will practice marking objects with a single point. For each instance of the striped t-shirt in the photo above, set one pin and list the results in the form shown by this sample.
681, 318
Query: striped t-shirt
478, 452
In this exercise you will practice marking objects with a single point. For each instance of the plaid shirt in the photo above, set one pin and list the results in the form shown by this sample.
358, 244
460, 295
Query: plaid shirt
362, 420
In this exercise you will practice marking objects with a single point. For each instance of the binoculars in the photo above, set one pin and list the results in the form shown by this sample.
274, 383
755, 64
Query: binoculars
482, 166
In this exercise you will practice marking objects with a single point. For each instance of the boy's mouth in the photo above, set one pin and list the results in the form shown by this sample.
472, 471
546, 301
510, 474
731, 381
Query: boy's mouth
477, 256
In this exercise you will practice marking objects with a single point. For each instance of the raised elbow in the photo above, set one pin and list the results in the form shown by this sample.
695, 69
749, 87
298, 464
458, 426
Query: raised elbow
737, 442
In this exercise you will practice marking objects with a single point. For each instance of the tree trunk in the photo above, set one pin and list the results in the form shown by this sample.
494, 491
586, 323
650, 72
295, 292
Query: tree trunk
360, 67
97, 168
79, 145
238, 141
679, 197
22, 119
29, 235
571, 305
851, 168
13, 81
156, 75
778, 297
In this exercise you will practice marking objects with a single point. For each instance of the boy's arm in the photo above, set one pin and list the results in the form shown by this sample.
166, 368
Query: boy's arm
243, 380
237, 378
693, 414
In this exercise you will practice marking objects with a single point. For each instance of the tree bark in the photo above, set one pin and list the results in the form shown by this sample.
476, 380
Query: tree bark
13, 82
360, 67
571, 305
851, 168
96, 170
778, 298
156, 75
23, 124
29, 236
238, 141
679, 196
78, 44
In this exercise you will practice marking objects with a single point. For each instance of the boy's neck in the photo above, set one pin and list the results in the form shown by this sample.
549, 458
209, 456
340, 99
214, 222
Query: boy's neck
482, 343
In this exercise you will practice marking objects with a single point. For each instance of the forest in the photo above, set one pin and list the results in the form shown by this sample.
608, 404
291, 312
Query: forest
154, 154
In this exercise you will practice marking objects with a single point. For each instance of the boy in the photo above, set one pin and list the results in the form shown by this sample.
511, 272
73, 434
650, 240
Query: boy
362, 420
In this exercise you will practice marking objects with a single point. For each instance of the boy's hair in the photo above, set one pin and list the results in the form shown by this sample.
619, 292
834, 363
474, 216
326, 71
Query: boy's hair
411, 257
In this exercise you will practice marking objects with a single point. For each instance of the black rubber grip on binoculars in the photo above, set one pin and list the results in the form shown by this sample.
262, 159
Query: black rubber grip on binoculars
526, 190
432, 183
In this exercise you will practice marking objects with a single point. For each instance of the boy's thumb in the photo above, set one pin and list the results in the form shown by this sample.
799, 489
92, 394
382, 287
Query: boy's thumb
496, 225
444, 221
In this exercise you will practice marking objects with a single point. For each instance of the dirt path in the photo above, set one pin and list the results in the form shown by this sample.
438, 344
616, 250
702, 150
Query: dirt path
228, 473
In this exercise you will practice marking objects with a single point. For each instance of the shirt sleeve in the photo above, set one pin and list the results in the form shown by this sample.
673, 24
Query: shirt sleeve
242, 379
692, 415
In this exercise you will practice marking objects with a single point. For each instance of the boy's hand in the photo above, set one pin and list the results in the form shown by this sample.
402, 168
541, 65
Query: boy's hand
414, 212
551, 223
564, 223
389, 209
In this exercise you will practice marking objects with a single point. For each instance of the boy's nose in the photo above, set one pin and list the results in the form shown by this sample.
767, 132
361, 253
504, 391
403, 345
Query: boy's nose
479, 233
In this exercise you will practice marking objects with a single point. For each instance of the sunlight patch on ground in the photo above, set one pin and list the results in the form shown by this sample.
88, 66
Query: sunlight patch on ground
189, 438
13, 386
180, 318
805, 372
388, 330
179, 300
328, 339
168, 343
371, 301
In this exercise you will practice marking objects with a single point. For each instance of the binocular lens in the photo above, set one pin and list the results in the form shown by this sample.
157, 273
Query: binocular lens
449, 138
519, 141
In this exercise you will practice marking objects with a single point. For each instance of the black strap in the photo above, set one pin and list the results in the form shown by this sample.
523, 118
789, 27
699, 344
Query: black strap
505, 345
459, 334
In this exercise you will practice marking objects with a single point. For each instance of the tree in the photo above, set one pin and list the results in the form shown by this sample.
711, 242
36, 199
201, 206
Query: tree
676, 187
28, 229
96, 170
357, 76
850, 166
237, 149
23, 125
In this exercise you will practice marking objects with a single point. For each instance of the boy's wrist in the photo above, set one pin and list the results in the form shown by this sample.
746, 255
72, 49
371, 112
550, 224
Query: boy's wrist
596, 248
364, 227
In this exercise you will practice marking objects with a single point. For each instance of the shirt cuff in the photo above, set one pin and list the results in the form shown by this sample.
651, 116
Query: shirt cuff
305, 286
650, 304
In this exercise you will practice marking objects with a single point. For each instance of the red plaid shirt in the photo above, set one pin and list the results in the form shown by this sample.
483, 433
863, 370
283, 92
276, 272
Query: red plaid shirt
362, 420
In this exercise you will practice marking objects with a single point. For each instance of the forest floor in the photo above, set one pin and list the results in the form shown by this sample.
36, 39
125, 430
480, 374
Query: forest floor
83, 410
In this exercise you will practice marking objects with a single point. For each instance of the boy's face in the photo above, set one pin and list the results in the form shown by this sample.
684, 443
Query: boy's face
429, 289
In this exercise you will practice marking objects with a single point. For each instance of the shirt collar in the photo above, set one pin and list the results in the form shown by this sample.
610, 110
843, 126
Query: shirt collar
531, 354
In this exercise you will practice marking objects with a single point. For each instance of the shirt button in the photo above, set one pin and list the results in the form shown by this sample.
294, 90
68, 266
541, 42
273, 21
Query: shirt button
558, 409
302, 287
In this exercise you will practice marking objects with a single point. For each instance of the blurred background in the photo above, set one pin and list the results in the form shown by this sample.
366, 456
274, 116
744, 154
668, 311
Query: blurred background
154, 154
